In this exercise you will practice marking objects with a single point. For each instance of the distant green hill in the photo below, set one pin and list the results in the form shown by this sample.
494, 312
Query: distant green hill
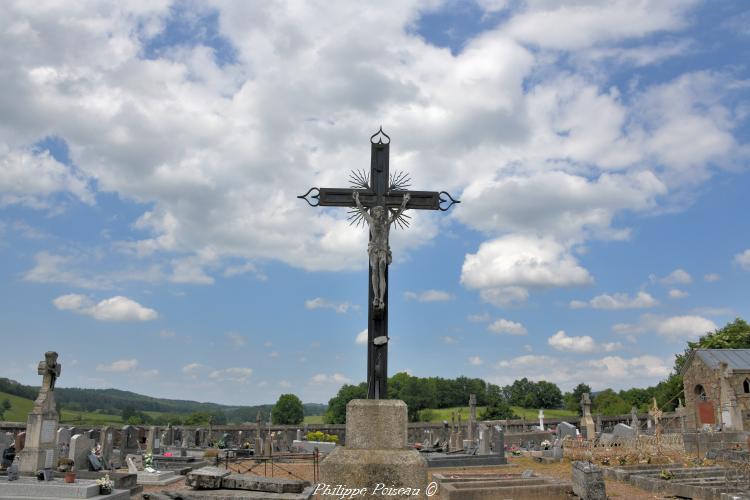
20, 407
96, 406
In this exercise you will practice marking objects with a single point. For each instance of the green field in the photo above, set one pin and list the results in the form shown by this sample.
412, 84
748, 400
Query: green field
21, 407
440, 414
313, 419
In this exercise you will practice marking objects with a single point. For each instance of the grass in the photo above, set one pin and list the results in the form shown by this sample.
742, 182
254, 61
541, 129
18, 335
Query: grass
440, 414
532, 414
19, 407
313, 419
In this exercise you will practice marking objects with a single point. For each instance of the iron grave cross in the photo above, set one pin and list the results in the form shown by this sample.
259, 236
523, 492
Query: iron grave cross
379, 200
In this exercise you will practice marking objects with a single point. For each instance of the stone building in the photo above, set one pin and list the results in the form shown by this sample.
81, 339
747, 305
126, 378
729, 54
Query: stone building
717, 388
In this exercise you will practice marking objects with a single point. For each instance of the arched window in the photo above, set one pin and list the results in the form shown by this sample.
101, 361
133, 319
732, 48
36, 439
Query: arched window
746, 386
700, 392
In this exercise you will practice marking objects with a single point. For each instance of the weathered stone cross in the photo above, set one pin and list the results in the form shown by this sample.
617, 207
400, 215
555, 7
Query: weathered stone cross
50, 370
380, 200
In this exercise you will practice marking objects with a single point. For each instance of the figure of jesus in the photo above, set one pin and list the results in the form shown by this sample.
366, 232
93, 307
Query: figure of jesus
378, 248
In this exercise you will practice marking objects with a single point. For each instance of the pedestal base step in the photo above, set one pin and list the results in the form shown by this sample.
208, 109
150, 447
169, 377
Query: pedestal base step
28, 488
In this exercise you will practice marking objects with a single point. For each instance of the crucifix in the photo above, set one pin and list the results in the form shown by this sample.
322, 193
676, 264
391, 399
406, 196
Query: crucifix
50, 370
379, 200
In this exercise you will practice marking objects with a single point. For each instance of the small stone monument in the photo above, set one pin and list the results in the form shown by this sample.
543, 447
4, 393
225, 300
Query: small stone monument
153, 442
484, 440
681, 413
587, 422
106, 440
472, 431
376, 449
40, 450
80, 447
588, 481
498, 441
541, 419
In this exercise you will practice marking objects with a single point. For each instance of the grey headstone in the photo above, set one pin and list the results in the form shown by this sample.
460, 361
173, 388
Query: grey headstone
623, 431
63, 440
606, 437
498, 441
565, 429
588, 481
106, 441
557, 449
484, 440
80, 447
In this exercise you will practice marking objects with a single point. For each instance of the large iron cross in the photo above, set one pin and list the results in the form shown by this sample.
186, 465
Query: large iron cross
379, 200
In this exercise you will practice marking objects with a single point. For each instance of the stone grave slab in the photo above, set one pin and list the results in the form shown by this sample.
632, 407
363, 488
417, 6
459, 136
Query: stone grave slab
309, 446
158, 478
472, 486
261, 483
30, 488
229, 495
206, 478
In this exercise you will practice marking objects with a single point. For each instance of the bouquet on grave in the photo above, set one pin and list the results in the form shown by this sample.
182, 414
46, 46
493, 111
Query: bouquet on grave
148, 459
105, 482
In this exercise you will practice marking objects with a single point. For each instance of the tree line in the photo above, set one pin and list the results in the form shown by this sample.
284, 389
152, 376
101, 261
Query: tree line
422, 394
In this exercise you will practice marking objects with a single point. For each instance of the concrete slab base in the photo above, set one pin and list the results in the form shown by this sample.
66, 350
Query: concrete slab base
472, 486
158, 478
370, 468
462, 460
229, 495
28, 488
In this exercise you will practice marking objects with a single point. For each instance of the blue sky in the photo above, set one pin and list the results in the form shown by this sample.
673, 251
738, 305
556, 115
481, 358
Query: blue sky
150, 156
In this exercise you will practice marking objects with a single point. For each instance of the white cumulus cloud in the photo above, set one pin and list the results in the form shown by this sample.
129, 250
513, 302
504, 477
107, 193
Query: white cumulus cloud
501, 325
361, 337
332, 378
561, 341
429, 296
476, 361
677, 277
743, 259
321, 303
119, 366
617, 301
676, 293
116, 308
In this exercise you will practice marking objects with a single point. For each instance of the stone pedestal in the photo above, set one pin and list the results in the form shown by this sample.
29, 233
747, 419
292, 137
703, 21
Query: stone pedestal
376, 454
41, 450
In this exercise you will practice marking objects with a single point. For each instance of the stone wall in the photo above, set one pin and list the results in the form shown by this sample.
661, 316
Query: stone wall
698, 373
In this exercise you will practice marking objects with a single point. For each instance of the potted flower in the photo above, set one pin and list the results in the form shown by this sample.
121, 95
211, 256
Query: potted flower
64, 464
70, 476
105, 485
